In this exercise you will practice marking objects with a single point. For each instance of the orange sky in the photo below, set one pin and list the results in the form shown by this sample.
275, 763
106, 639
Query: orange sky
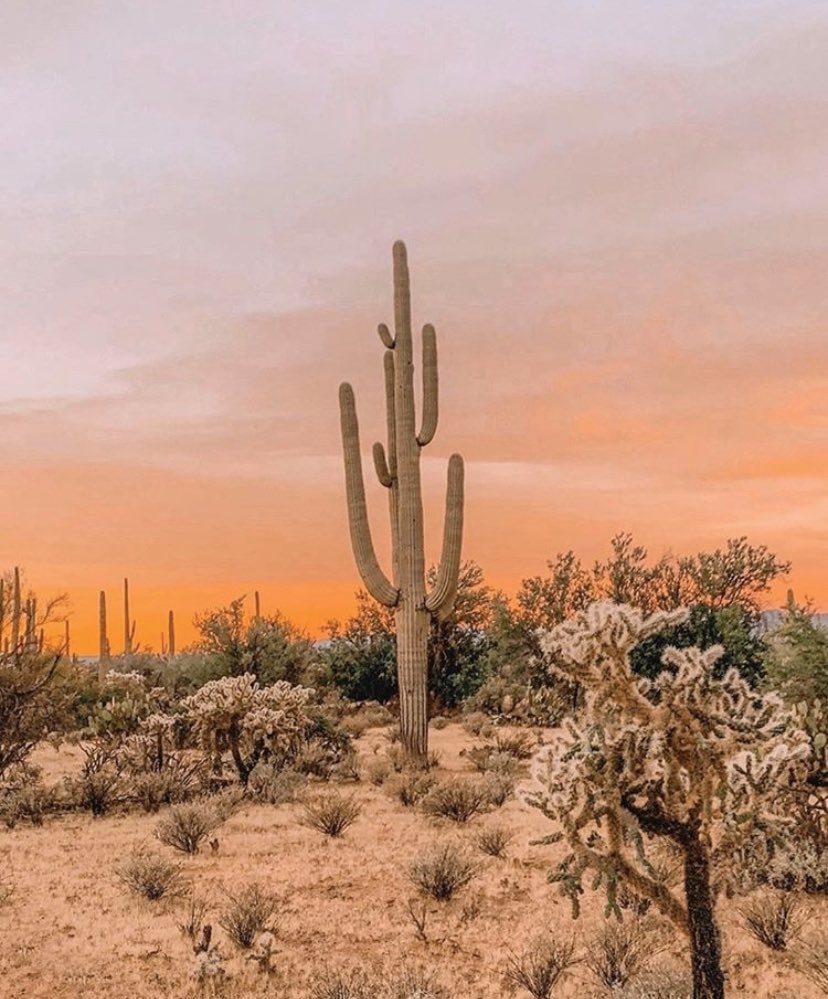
616, 222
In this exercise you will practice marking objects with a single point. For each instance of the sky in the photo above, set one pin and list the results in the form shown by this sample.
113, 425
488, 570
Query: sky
616, 218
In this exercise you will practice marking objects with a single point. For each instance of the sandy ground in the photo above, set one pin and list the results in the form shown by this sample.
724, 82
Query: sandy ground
72, 930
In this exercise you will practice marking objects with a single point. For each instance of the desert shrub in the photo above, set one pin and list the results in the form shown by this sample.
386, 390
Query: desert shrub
226, 802
493, 840
439, 722
619, 952
519, 745
248, 913
339, 984
475, 721
378, 772
457, 800
487, 760
801, 865
22, 797
331, 814
773, 918
660, 983
151, 875
442, 871
541, 965
191, 923
409, 983
185, 827
812, 961
7, 890
498, 789
348, 768
411, 787
276, 787
100, 785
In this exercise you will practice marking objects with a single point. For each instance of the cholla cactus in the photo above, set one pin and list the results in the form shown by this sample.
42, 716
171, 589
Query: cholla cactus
253, 722
688, 757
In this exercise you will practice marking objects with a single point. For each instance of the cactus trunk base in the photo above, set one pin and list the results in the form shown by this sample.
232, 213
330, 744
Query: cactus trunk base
412, 674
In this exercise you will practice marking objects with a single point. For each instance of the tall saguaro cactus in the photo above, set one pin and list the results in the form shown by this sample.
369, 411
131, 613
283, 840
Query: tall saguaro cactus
398, 469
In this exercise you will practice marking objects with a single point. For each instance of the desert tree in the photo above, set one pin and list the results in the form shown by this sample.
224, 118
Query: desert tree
688, 757
32, 700
270, 647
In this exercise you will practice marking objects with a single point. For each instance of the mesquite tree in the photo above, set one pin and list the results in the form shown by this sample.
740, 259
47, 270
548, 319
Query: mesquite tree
698, 761
398, 469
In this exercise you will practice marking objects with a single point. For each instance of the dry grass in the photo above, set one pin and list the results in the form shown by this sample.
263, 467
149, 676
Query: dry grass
151, 875
332, 813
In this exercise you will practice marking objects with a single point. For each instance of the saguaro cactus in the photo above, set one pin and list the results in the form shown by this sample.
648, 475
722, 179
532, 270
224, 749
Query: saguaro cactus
103, 653
171, 633
129, 625
398, 469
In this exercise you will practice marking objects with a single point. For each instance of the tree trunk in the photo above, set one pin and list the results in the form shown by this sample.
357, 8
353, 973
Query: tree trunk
706, 951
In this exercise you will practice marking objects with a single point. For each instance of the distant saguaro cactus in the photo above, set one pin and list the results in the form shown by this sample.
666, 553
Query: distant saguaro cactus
171, 632
398, 469
103, 653
129, 625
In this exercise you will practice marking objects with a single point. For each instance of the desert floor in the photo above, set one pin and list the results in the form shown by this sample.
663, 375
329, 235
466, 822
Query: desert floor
72, 930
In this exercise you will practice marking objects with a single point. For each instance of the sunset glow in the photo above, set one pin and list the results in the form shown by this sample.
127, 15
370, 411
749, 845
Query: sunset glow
616, 218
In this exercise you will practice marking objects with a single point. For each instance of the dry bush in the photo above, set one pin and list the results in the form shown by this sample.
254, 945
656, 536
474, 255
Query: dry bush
489, 761
475, 721
439, 722
30, 803
248, 914
151, 875
773, 918
275, 787
7, 890
493, 840
227, 802
101, 784
799, 866
411, 787
541, 965
349, 768
186, 827
331, 814
660, 983
457, 800
619, 952
518, 745
442, 871
812, 961
378, 772
176, 782
192, 919
339, 984
498, 789
409, 983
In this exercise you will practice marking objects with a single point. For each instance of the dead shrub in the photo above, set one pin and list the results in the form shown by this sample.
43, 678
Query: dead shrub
249, 913
274, 786
457, 800
659, 983
331, 814
518, 745
493, 840
378, 772
619, 952
541, 965
151, 875
442, 871
186, 827
773, 918
411, 787
191, 924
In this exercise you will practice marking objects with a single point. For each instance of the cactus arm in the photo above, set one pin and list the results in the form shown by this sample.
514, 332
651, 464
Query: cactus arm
381, 466
390, 411
428, 427
372, 575
385, 336
440, 599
